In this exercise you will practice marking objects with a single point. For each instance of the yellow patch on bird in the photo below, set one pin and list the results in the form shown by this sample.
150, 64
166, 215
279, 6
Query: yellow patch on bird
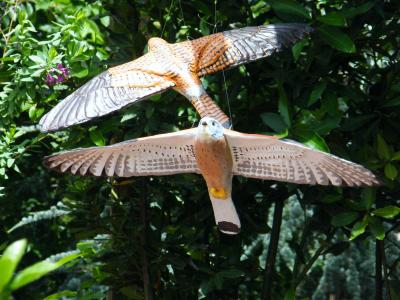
219, 193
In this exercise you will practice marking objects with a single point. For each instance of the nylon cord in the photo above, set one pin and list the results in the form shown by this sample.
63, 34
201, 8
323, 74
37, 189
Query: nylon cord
223, 72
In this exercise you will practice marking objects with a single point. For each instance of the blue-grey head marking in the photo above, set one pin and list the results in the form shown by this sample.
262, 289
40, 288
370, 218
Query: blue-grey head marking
211, 127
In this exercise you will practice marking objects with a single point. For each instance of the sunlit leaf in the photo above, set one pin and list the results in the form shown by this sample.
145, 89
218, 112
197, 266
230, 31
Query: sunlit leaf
358, 228
388, 212
9, 261
38, 270
97, 137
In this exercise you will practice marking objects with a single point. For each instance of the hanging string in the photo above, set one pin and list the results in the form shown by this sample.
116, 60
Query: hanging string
183, 20
168, 17
223, 72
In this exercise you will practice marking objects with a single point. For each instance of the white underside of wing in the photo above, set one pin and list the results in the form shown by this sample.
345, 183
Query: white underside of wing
269, 158
157, 155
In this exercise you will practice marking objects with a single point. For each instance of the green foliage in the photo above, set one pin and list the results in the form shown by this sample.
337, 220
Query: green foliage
337, 91
9, 262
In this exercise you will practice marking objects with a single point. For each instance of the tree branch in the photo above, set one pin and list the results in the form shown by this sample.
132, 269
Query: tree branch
378, 271
385, 273
272, 249
148, 293
312, 260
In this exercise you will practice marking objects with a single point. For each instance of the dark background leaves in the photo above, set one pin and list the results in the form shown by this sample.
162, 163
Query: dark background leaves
338, 91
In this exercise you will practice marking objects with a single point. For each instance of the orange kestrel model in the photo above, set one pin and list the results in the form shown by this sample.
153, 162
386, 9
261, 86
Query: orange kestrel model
178, 66
217, 154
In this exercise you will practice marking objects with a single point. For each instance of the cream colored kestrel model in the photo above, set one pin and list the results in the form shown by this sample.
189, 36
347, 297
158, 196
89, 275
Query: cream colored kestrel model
178, 66
217, 154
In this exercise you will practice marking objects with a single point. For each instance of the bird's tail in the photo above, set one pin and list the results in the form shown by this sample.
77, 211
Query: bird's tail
208, 108
225, 215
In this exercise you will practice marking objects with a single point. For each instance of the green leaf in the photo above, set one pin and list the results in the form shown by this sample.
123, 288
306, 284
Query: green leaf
290, 7
388, 212
97, 137
382, 148
79, 72
396, 156
283, 106
38, 270
37, 59
9, 261
368, 197
356, 122
333, 18
358, 228
376, 227
105, 21
344, 218
317, 92
391, 171
312, 139
337, 39
297, 48
274, 121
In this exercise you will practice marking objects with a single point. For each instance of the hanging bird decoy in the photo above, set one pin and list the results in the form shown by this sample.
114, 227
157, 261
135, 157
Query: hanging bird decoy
178, 66
217, 154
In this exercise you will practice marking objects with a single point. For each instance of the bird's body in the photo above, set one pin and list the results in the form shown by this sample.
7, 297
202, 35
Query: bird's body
217, 154
178, 66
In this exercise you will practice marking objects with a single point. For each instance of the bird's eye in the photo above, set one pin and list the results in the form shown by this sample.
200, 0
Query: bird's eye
204, 123
213, 123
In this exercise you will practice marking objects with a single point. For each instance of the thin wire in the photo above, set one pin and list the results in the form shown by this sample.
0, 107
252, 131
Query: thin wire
227, 97
168, 17
223, 72
184, 23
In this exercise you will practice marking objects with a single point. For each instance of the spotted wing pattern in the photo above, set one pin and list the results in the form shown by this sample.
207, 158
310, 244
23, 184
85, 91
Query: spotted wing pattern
265, 157
162, 154
111, 90
235, 47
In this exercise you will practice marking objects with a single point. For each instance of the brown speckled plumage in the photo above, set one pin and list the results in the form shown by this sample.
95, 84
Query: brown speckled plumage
178, 66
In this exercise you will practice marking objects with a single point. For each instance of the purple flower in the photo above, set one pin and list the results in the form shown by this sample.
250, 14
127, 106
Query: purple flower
50, 80
53, 76
63, 70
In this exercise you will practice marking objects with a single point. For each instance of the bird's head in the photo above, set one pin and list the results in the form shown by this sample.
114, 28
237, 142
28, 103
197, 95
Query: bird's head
210, 128
155, 42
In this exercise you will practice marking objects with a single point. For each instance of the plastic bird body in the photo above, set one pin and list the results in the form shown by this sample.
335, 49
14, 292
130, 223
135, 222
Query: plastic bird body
217, 154
178, 66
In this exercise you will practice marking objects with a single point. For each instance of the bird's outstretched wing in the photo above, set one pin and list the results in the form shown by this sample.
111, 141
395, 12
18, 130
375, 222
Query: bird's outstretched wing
111, 90
162, 154
231, 48
265, 157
